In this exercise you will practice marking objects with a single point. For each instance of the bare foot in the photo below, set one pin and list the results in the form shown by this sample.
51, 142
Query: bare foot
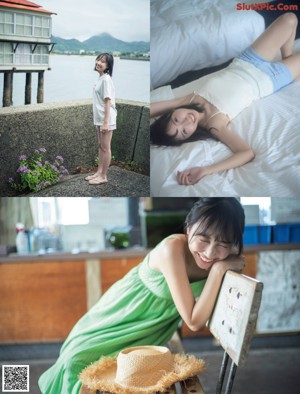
97, 181
88, 178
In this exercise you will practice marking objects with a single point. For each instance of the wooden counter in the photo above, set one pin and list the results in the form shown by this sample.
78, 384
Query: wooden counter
42, 297
65, 256
123, 253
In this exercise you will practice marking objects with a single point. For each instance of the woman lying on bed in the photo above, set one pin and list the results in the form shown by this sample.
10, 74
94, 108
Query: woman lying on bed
207, 113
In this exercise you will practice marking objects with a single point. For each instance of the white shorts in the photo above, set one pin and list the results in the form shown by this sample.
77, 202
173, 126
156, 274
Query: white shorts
110, 128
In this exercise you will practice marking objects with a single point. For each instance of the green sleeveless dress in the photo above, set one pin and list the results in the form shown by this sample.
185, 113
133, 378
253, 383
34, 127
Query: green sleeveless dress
137, 310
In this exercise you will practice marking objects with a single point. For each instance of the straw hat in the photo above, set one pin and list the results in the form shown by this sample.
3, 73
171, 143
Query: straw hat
140, 370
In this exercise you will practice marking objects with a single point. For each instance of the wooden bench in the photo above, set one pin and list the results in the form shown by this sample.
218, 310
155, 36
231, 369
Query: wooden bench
232, 323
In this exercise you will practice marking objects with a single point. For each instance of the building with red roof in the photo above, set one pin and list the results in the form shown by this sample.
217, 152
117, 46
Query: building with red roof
25, 43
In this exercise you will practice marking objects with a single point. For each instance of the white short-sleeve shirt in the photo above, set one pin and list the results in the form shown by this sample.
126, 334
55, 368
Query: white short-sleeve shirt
104, 88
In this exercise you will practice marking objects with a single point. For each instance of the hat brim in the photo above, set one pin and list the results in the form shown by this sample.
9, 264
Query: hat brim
101, 375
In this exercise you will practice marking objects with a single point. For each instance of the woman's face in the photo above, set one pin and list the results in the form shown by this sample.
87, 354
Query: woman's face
183, 123
101, 64
205, 248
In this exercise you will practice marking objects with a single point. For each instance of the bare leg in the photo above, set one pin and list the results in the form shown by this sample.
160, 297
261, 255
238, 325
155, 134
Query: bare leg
89, 177
106, 152
293, 64
279, 35
104, 158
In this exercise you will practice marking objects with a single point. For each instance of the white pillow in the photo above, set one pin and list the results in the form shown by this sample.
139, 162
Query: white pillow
172, 10
161, 94
210, 38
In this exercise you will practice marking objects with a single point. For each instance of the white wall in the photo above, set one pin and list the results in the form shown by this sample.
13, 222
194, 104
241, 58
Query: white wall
280, 273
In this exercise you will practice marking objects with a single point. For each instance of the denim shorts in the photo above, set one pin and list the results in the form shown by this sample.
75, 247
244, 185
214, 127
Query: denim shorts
278, 72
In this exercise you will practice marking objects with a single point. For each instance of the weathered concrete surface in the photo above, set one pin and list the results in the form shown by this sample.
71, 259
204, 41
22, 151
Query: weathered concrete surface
66, 129
121, 183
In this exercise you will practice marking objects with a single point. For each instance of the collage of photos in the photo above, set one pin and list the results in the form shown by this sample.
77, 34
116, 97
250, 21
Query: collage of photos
149, 196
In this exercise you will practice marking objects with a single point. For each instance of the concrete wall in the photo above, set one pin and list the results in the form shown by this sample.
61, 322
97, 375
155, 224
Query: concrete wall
67, 129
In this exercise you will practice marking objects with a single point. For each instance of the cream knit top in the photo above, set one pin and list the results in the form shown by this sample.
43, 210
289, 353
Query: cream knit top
234, 88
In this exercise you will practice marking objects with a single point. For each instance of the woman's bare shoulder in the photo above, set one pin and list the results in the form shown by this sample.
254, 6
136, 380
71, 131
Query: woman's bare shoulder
218, 124
176, 241
171, 247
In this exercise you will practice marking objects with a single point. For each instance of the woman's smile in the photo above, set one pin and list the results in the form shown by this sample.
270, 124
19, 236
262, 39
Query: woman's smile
183, 123
203, 262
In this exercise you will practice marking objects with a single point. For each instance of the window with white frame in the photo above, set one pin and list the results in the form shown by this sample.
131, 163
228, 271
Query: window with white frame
42, 26
6, 22
32, 54
23, 54
41, 55
22, 24
6, 54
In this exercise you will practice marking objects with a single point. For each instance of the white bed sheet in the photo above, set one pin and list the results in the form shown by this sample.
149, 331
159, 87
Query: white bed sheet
191, 35
271, 126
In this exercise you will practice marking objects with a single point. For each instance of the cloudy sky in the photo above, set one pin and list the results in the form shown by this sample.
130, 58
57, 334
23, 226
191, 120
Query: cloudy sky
127, 20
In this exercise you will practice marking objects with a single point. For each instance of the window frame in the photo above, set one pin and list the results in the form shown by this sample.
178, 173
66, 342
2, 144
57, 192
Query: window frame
45, 25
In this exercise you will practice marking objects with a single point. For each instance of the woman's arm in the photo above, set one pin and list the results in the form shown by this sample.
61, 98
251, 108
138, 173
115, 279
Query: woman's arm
195, 314
106, 115
160, 107
242, 154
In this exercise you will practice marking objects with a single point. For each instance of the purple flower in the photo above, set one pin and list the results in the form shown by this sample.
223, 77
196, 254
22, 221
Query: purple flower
39, 164
22, 158
11, 180
43, 185
42, 149
35, 173
23, 169
60, 158
54, 168
63, 170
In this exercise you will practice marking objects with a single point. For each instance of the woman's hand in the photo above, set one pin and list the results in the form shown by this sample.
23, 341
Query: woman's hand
104, 128
232, 262
191, 176
159, 108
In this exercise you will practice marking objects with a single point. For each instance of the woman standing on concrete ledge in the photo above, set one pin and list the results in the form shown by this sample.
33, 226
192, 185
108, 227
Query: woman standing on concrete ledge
105, 114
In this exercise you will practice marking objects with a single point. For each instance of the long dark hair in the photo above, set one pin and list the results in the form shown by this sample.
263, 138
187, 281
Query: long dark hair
225, 215
109, 60
159, 128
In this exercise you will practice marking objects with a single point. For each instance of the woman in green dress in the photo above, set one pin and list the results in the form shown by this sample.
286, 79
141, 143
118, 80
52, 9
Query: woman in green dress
178, 280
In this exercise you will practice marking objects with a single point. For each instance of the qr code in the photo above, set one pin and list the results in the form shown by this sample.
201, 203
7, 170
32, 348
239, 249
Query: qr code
15, 378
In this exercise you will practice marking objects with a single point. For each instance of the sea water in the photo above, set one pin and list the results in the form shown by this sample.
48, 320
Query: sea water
72, 78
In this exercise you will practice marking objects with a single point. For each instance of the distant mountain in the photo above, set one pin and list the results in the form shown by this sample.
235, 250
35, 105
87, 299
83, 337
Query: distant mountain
100, 43
63, 45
